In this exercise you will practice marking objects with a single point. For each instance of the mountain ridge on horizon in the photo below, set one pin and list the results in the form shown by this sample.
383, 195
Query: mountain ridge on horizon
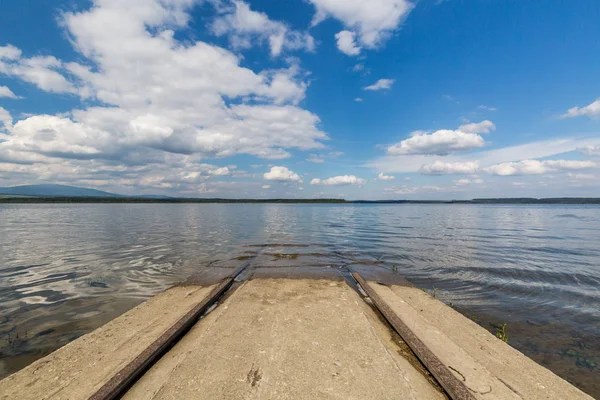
54, 190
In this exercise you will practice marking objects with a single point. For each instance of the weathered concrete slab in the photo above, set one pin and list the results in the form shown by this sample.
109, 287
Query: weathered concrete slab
314, 273
490, 368
286, 339
79, 369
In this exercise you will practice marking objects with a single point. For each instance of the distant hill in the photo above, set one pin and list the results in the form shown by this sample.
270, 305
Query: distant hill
54, 191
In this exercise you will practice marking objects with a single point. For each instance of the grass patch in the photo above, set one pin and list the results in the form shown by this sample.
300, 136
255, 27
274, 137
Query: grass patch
501, 333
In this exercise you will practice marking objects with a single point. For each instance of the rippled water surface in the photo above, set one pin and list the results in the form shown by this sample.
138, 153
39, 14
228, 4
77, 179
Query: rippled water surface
65, 269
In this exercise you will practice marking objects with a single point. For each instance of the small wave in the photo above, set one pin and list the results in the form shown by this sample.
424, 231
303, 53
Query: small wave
573, 216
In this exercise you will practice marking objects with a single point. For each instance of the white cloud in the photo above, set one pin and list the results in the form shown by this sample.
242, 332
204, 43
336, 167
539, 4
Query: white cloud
339, 180
442, 142
591, 110
382, 84
281, 174
478, 127
346, 43
6, 92
383, 177
536, 167
443, 168
223, 171
532, 150
374, 21
46, 72
244, 26
358, 100
590, 150
159, 104
484, 107
358, 67
5, 121
465, 182
445, 141
9, 52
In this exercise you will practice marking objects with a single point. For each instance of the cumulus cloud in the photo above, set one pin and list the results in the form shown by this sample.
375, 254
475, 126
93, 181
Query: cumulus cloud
358, 100
486, 108
245, 26
443, 168
536, 167
153, 101
339, 181
526, 151
7, 93
5, 120
383, 177
281, 174
223, 171
591, 110
445, 141
478, 127
439, 143
346, 43
465, 182
184, 174
590, 150
373, 21
45, 72
382, 84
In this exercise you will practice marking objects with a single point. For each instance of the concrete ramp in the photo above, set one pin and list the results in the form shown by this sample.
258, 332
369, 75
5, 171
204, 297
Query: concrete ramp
287, 339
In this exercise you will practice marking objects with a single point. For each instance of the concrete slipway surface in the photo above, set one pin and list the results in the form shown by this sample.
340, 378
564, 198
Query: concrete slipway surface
280, 338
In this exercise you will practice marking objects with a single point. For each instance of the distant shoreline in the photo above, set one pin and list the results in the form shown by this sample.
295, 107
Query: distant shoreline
175, 200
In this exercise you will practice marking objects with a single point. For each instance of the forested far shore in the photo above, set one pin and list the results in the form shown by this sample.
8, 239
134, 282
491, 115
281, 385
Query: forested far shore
62, 199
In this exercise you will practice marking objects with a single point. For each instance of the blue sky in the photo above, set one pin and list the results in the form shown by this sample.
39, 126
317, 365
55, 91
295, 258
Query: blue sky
387, 99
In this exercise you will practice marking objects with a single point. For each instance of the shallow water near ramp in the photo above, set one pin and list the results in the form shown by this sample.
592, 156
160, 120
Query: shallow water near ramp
68, 268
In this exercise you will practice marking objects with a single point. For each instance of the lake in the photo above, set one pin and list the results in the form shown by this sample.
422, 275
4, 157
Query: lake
65, 269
